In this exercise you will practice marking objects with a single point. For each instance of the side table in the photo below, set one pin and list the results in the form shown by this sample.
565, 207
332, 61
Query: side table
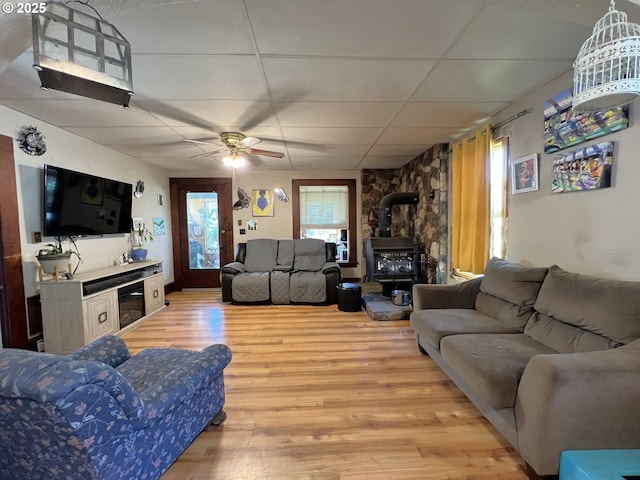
600, 465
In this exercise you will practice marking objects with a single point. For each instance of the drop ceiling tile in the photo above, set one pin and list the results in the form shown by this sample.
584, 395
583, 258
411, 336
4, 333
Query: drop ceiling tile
332, 136
205, 164
534, 35
384, 162
335, 79
219, 27
127, 135
211, 113
402, 150
82, 112
195, 77
366, 28
489, 80
336, 114
296, 152
458, 115
169, 149
416, 136
326, 163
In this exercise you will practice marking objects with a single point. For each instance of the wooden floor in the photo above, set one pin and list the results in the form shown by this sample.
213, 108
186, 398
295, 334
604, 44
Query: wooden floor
314, 393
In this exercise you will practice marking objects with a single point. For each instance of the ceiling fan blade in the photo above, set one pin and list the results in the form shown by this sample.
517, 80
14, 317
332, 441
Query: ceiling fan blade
266, 153
311, 146
199, 142
249, 141
208, 154
263, 111
158, 108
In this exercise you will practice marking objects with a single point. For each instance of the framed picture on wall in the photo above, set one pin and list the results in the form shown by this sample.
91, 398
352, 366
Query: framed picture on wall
262, 203
588, 168
524, 174
564, 128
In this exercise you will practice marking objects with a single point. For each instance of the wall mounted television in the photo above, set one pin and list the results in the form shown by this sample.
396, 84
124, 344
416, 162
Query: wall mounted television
77, 204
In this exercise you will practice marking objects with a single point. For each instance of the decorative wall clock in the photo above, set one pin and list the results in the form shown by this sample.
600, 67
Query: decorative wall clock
31, 141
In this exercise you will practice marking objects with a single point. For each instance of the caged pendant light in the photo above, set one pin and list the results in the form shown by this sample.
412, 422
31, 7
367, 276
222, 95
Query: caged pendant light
606, 72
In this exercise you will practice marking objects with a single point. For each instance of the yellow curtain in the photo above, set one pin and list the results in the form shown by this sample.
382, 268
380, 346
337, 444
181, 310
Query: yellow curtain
471, 228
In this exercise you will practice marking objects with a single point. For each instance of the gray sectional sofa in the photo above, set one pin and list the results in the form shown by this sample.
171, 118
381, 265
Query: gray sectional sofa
550, 357
282, 272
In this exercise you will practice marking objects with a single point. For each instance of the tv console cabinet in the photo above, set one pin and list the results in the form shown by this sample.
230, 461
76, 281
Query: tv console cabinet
111, 300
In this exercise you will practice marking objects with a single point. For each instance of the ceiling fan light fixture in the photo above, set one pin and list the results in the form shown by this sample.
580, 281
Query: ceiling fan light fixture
234, 160
606, 72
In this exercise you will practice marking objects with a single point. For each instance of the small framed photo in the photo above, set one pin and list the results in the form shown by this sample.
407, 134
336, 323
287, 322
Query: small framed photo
524, 174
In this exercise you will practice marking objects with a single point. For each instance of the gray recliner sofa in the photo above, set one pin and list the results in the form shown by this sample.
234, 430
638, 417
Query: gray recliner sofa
550, 357
282, 272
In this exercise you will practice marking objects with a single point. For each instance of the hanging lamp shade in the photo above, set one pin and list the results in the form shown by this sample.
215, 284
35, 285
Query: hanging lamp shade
606, 72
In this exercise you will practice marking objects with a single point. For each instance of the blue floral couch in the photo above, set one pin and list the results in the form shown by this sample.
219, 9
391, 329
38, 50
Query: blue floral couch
100, 413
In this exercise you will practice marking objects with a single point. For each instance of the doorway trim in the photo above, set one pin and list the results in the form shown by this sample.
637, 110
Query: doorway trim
13, 321
179, 186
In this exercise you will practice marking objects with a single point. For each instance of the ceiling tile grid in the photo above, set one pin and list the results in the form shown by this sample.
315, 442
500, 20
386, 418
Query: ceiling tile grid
336, 84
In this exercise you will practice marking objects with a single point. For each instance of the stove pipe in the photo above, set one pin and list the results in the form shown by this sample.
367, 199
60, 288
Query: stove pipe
386, 206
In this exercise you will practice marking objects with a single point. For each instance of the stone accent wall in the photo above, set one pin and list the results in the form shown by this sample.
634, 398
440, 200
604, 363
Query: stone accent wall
427, 174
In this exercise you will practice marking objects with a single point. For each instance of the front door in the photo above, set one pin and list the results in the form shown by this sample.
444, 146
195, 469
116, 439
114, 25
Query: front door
201, 214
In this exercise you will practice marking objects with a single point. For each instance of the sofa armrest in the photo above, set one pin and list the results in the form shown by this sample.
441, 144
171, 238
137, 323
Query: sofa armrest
457, 295
578, 401
108, 349
234, 267
182, 382
330, 267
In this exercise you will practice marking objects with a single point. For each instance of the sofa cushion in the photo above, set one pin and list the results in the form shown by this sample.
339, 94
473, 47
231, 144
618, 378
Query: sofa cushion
565, 338
587, 307
310, 254
308, 287
432, 325
285, 255
250, 287
261, 255
510, 283
492, 365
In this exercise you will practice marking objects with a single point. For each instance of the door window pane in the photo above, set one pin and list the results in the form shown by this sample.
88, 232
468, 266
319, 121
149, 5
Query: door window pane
204, 231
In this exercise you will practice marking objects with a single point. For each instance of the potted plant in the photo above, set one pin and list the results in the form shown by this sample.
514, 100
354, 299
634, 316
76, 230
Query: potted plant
141, 235
54, 258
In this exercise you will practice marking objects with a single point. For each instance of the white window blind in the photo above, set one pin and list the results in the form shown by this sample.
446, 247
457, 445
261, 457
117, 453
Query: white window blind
324, 206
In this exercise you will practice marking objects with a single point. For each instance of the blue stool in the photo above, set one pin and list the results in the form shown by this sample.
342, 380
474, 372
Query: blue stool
600, 465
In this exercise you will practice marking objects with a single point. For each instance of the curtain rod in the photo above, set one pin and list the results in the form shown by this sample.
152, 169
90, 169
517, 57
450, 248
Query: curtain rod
511, 119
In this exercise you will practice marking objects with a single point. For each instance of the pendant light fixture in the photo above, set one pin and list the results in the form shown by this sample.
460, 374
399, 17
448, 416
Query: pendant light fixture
606, 72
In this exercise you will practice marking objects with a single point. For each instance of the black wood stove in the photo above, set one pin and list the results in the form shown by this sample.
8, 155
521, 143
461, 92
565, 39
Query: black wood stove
393, 261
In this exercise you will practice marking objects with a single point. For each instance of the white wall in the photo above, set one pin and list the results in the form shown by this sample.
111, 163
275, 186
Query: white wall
70, 151
593, 232
280, 226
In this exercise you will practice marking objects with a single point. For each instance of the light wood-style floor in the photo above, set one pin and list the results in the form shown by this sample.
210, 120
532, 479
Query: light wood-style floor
314, 393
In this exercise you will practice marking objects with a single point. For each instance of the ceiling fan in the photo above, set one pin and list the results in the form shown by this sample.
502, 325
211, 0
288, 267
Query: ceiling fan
235, 143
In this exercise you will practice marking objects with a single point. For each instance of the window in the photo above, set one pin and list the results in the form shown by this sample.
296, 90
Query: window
498, 203
326, 209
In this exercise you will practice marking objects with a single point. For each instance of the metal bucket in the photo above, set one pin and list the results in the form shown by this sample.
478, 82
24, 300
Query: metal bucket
400, 297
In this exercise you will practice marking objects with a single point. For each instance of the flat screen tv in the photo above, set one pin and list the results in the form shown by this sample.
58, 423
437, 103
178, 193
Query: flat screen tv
78, 204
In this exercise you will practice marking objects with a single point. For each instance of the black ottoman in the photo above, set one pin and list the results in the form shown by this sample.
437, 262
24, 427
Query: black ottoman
349, 297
